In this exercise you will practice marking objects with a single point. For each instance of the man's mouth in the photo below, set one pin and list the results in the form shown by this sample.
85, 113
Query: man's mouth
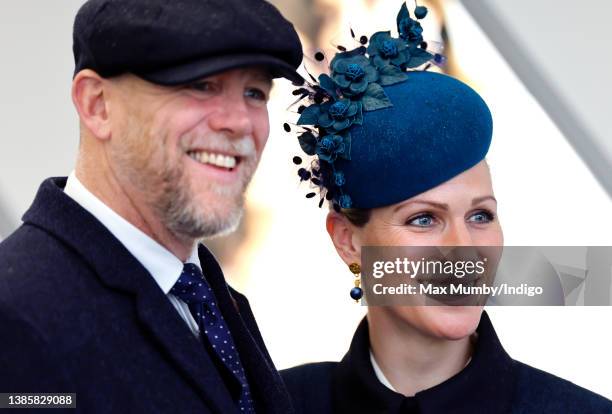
224, 161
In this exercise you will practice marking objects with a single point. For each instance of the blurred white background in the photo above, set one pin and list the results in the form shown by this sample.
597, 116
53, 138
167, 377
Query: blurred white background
281, 257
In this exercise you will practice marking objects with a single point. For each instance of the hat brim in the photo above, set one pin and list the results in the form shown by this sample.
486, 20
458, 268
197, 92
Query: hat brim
198, 69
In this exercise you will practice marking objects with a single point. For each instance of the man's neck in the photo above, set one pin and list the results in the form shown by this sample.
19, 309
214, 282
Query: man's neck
104, 185
412, 361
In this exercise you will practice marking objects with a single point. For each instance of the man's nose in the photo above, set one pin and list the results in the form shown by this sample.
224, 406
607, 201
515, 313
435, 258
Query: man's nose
231, 116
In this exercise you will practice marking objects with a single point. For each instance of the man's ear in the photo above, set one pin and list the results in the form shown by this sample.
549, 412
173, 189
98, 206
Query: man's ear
345, 237
90, 100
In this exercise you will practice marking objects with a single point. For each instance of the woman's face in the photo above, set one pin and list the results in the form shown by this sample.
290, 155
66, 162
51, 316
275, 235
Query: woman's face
459, 212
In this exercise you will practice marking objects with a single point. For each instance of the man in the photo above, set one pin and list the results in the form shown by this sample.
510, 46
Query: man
103, 290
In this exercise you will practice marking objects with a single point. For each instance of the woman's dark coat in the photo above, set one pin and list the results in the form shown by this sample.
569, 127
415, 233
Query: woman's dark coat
491, 383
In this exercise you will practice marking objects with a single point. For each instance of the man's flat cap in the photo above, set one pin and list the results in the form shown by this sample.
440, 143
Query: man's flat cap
171, 42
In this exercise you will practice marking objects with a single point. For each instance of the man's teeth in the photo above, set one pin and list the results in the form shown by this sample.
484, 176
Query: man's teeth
218, 160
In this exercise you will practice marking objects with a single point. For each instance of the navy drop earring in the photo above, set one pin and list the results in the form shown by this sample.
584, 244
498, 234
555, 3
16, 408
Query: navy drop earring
356, 292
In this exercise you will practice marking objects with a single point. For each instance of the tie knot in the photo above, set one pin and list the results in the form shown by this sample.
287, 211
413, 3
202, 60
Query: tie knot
191, 287
191, 270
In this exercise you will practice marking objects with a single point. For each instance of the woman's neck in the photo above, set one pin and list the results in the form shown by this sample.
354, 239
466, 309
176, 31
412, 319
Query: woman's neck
411, 360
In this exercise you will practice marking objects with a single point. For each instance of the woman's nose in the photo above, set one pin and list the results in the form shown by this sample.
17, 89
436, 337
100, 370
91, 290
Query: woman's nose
458, 234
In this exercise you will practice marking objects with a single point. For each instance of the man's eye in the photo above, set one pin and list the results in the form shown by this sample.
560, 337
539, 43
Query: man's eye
257, 94
423, 220
482, 217
202, 86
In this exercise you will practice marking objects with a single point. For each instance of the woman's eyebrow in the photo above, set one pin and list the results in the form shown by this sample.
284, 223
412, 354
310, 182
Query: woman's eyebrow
441, 206
479, 199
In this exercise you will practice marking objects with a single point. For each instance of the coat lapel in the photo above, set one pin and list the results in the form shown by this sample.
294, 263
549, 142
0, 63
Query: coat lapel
264, 379
56, 213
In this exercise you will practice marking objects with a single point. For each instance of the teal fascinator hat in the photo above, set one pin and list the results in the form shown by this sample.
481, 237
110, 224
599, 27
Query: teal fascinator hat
381, 129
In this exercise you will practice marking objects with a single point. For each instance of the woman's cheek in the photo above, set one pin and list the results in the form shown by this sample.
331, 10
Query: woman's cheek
491, 237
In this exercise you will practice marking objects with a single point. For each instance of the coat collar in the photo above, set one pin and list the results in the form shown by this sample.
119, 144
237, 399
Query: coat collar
56, 213
160, 262
485, 385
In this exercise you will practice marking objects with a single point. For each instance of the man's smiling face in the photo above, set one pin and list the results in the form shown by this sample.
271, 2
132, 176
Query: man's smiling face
190, 151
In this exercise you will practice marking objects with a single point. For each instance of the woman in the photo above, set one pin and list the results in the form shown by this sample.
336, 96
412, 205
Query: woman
400, 156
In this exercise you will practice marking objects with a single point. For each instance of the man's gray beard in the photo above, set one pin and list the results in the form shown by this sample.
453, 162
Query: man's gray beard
183, 216
168, 193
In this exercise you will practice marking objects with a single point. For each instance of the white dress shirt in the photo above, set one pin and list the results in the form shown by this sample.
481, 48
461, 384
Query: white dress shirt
379, 374
164, 266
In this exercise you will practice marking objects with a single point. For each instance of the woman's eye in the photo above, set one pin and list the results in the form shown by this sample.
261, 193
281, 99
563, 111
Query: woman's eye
423, 220
482, 217
256, 94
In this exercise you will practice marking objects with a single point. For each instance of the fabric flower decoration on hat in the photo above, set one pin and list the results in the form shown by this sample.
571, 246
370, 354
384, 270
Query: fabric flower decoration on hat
393, 56
384, 50
389, 56
353, 86
352, 72
339, 179
345, 201
408, 28
417, 57
330, 147
333, 116
411, 30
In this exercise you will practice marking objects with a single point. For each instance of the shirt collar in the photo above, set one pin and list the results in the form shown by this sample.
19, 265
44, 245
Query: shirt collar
381, 375
162, 264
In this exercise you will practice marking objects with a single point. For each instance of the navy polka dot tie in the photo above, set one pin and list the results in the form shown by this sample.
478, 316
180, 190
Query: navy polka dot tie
194, 290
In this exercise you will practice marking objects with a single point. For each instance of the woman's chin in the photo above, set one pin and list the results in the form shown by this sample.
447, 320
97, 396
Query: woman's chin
444, 322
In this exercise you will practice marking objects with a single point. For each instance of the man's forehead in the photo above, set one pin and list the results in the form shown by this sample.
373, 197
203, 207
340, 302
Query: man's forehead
132, 82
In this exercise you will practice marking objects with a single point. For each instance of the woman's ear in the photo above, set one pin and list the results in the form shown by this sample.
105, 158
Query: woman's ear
90, 100
345, 236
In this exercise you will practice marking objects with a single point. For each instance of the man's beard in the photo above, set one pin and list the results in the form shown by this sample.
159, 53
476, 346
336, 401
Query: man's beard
163, 182
183, 215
